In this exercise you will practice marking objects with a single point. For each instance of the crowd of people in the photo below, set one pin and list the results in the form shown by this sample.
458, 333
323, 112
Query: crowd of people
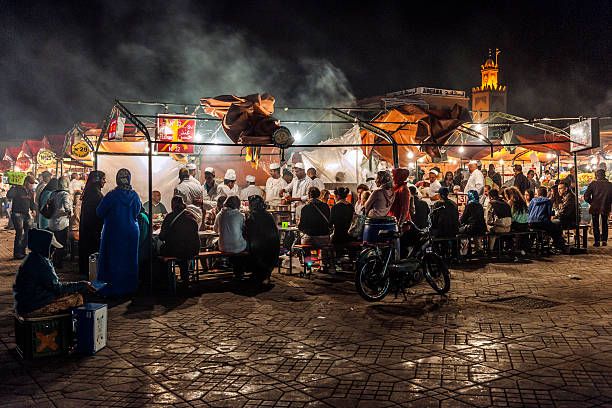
116, 225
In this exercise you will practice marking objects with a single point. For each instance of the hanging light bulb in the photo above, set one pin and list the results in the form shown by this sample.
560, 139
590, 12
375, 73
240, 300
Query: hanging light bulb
411, 165
410, 155
461, 149
501, 161
549, 156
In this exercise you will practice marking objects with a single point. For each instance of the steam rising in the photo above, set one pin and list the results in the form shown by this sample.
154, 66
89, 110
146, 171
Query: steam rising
179, 59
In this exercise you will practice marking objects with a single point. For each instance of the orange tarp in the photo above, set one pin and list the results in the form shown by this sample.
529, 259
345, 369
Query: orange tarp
424, 126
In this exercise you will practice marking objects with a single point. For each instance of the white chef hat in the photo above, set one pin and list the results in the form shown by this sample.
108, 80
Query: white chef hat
191, 166
209, 170
230, 174
473, 162
250, 179
274, 166
434, 171
298, 166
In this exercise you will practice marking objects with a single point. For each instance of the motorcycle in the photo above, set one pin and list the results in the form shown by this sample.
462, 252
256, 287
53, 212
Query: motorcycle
379, 268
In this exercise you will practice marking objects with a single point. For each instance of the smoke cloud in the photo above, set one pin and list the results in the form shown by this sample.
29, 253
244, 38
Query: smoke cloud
179, 58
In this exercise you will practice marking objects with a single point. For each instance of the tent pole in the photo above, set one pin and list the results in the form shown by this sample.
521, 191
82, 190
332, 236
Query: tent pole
150, 209
577, 232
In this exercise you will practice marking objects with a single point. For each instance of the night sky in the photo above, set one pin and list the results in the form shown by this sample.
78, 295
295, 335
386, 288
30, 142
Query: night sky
64, 62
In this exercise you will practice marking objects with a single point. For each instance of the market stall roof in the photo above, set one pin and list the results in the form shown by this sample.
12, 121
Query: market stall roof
30, 148
55, 143
411, 124
11, 153
6, 165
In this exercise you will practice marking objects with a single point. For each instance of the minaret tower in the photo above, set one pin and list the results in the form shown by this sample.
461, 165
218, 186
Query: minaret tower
489, 96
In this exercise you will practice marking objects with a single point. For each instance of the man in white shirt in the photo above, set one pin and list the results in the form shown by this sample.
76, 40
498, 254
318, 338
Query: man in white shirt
251, 189
298, 189
75, 184
274, 185
191, 191
229, 187
210, 189
434, 187
316, 182
476, 180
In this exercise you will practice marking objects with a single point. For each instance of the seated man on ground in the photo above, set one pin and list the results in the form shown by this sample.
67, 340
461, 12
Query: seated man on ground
314, 224
539, 216
37, 290
179, 234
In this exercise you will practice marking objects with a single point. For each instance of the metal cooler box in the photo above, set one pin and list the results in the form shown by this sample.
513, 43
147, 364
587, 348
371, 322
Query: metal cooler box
91, 327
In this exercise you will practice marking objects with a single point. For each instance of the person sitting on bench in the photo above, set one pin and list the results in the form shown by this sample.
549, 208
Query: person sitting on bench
540, 214
566, 214
179, 234
263, 238
37, 290
229, 224
499, 217
314, 225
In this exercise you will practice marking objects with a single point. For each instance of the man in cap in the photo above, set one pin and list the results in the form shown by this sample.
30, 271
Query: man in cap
298, 189
316, 182
251, 189
274, 185
229, 187
476, 179
210, 189
192, 168
188, 189
434, 186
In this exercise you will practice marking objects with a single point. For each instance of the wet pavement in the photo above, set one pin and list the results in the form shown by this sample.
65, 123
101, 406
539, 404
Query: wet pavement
535, 333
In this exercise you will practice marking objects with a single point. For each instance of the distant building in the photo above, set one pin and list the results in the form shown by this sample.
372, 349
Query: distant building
489, 96
429, 98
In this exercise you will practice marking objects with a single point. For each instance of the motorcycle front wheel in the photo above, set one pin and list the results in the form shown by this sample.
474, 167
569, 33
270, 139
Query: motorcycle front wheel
371, 281
436, 273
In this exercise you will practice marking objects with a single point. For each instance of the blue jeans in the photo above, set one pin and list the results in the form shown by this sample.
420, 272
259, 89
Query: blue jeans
22, 223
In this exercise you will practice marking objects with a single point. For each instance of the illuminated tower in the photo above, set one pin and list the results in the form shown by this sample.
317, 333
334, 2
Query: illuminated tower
489, 96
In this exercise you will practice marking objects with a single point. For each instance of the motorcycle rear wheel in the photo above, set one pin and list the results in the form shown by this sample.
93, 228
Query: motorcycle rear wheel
370, 280
436, 273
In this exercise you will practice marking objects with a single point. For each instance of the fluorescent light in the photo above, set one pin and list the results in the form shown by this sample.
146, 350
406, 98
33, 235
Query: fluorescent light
298, 136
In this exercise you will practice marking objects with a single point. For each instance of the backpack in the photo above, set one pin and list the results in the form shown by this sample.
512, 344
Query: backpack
49, 208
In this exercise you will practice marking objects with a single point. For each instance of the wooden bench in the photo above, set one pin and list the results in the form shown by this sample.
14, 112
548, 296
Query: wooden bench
583, 230
193, 265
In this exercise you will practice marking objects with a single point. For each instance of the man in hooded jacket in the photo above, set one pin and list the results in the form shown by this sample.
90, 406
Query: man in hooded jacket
36, 290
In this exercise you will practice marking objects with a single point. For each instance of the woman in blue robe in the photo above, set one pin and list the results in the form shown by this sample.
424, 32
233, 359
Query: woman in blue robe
118, 259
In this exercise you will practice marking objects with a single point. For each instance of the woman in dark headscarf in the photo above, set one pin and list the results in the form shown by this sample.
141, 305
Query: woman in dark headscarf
52, 185
400, 208
90, 226
262, 238
118, 260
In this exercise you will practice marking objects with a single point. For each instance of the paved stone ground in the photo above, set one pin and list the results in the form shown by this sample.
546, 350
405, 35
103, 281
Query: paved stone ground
317, 343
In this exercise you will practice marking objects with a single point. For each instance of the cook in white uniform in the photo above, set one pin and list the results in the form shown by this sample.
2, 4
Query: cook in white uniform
251, 189
210, 189
434, 187
229, 187
298, 188
274, 185
316, 182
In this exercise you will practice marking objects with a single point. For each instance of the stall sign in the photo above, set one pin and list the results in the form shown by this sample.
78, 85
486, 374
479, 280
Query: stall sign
45, 157
80, 150
16, 178
584, 135
462, 200
23, 162
115, 129
173, 128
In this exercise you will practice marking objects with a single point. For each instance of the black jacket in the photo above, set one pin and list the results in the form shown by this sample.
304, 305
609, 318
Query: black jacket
421, 212
567, 210
473, 219
312, 223
445, 219
340, 219
521, 182
599, 195
181, 239
263, 237
23, 200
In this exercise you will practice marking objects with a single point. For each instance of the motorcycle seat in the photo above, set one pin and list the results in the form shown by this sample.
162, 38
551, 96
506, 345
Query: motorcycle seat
387, 234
